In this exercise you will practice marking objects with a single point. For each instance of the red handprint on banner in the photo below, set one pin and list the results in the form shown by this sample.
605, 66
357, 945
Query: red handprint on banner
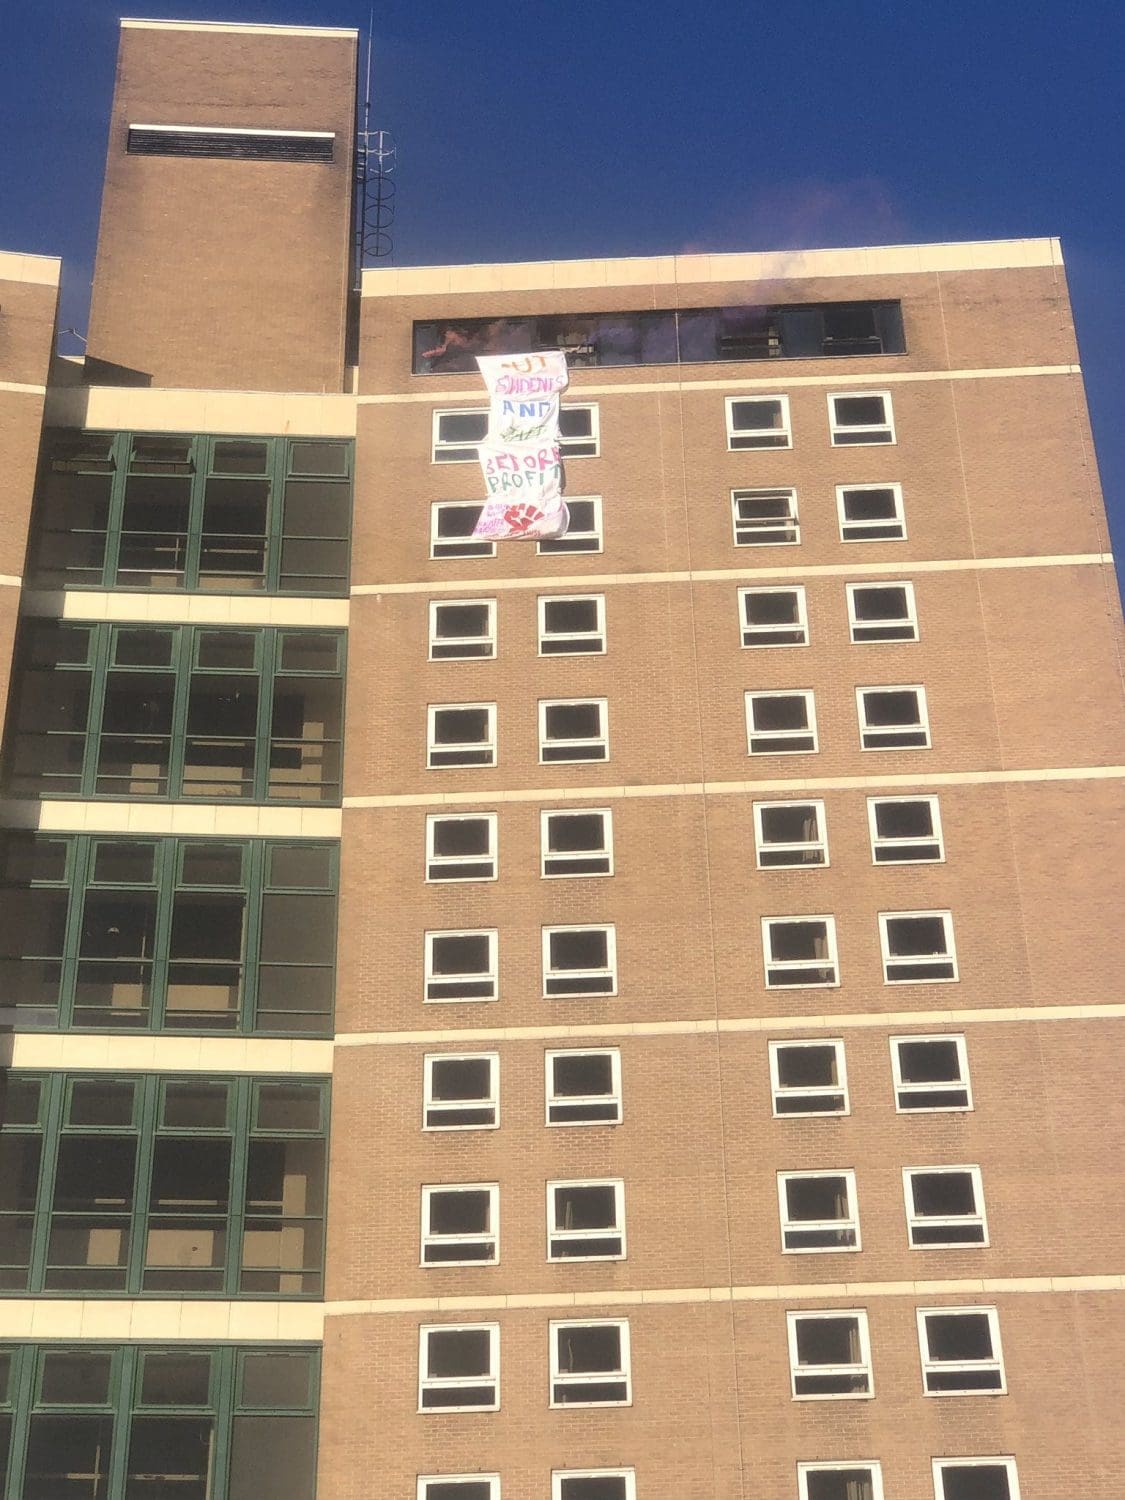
522, 518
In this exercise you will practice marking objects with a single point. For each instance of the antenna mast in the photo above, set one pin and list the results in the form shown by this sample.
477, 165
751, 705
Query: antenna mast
376, 159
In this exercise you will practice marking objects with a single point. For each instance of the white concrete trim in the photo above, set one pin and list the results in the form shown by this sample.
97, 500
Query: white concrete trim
10, 581
139, 23
732, 788
199, 1320
116, 1052
303, 135
209, 819
241, 413
186, 609
18, 388
39, 270
719, 575
672, 270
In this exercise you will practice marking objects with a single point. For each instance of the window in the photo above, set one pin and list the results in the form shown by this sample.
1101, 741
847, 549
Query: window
773, 617
167, 934
593, 1484
578, 431
893, 718
163, 1186
584, 534
176, 711
219, 514
572, 730
790, 835
461, 965
590, 1363
930, 1073
462, 628
975, 1479
579, 961
808, 1078
861, 417
780, 723
461, 1224
458, 434
584, 1088
461, 1092
459, 1367
800, 951
829, 1355
917, 946
461, 734
222, 141
228, 1422
818, 1211
846, 1480
961, 1353
765, 518
586, 1220
459, 1487
882, 612
871, 512
944, 1207
451, 530
758, 422
904, 830
571, 624
577, 843
461, 846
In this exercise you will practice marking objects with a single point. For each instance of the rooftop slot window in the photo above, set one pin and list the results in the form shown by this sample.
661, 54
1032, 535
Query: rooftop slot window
232, 144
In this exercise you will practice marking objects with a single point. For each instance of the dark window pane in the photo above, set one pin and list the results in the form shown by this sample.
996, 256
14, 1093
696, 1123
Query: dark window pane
226, 650
170, 1456
318, 458
280, 1381
68, 1458
288, 1106
96, 1103
175, 1379
71, 1378
272, 1456
301, 867
240, 457
195, 1106
212, 864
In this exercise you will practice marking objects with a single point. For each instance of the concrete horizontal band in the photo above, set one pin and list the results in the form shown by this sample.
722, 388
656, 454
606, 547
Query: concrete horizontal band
552, 794
10, 581
197, 1320
736, 575
242, 413
672, 270
39, 270
117, 1053
185, 609
140, 23
19, 388
855, 1020
808, 1292
207, 819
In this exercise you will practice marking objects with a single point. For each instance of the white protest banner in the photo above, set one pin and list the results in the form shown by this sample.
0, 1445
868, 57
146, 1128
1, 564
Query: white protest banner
520, 456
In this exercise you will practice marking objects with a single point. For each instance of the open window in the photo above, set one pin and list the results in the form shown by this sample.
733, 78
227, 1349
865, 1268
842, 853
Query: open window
461, 965
452, 523
765, 518
961, 1354
462, 1091
590, 1363
584, 1087
461, 846
882, 612
790, 835
819, 1211
930, 1073
459, 1367
905, 830
462, 629
847, 1479
586, 1220
781, 723
944, 1207
578, 842
808, 1078
579, 961
871, 512
800, 951
917, 947
584, 534
892, 718
460, 734
829, 1355
860, 417
593, 1484
572, 730
571, 624
461, 1224
773, 617
758, 422
975, 1479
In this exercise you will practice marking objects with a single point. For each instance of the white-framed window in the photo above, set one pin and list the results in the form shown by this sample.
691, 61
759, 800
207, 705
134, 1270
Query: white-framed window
930, 1073
905, 830
758, 422
961, 1353
576, 841
856, 417
583, 534
800, 952
462, 629
773, 616
765, 518
461, 965
460, 1224
571, 624
819, 1211
459, 1367
944, 1207
892, 718
790, 835
461, 1091
882, 612
846, 1479
976, 1479
458, 1487
871, 512
593, 1484
572, 730
584, 1086
579, 430
590, 1362
457, 434
451, 530
579, 961
917, 947
781, 723
461, 846
586, 1220
829, 1355
809, 1078
460, 734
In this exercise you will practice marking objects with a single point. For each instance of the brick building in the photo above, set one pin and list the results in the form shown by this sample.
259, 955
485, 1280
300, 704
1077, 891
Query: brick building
619, 1018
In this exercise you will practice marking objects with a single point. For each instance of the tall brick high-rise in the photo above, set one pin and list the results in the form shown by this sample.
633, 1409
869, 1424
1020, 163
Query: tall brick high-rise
661, 1040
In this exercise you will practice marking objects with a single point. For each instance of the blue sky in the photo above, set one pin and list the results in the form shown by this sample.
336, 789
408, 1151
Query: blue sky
626, 127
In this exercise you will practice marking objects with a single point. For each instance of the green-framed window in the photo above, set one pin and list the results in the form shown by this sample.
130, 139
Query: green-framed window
103, 710
162, 1186
167, 934
224, 515
148, 1421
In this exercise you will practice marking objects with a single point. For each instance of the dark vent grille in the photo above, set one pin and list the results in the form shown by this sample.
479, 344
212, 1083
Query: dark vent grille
242, 145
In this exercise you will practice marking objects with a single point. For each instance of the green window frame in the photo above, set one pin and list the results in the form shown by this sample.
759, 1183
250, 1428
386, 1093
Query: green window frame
192, 512
178, 711
163, 1186
141, 1421
221, 936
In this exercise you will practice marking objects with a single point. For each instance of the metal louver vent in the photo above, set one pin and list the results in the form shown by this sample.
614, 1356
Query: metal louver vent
242, 145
